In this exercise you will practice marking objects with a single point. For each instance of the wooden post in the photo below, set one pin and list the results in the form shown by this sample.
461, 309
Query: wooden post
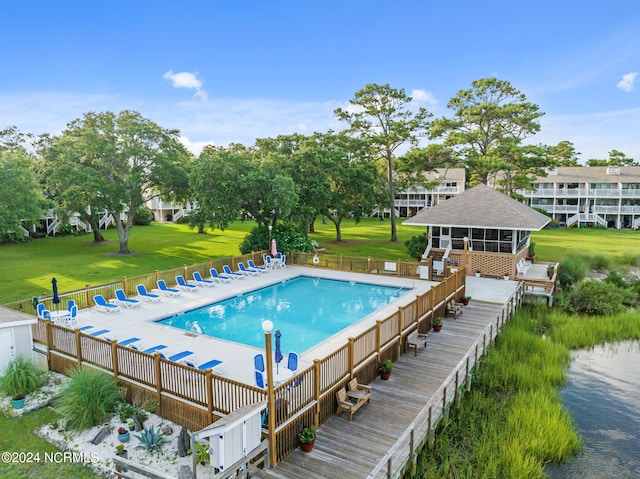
79, 346
378, 337
114, 358
400, 324
457, 393
87, 296
124, 285
48, 337
398, 268
209, 382
350, 356
156, 358
369, 264
431, 437
184, 269
271, 401
445, 411
340, 263
316, 392
412, 457
468, 376
389, 474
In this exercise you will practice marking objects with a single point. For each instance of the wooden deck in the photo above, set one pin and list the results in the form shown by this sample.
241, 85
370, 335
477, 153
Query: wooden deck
355, 449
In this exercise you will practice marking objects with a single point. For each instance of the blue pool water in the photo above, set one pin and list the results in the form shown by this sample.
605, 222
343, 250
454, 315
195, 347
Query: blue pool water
306, 311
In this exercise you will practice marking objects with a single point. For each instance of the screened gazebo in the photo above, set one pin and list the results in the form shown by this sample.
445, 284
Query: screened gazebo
481, 229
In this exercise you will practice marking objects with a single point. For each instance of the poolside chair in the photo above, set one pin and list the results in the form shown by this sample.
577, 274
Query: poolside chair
415, 339
200, 281
232, 274
166, 290
268, 262
99, 333
180, 355
454, 309
246, 271
215, 365
122, 300
258, 362
70, 304
283, 261
220, 278
260, 379
40, 310
145, 296
72, 319
104, 306
292, 361
128, 341
184, 285
259, 269
46, 314
153, 349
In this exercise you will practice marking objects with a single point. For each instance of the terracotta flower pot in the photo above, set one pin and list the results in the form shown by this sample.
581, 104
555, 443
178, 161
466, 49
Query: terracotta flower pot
437, 327
385, 376
307, 446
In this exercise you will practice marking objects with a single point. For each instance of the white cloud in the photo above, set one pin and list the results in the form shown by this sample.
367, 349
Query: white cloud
423, 96
628, 82
186, 80
195, 147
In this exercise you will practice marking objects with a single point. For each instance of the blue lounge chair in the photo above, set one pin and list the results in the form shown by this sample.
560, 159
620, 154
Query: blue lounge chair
128, 341
99, 333
166, 290
153, 349
40, 309
220, 278
200, 281
268, 263
246, 271
104, 306
259, 269
214, 364
184, 285
259, 379
146, 296
84, 328
122, 300
70, 304
292, 361
180, 355
258, 362
232, 274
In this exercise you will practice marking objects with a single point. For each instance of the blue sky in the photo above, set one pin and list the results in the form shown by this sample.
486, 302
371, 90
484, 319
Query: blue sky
224, 72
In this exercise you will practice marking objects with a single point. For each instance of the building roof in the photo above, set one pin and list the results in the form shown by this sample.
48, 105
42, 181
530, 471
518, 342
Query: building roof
10, 317
599, 174
446, 174
481, 207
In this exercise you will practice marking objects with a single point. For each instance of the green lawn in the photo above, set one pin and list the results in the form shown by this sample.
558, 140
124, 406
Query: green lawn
75, 261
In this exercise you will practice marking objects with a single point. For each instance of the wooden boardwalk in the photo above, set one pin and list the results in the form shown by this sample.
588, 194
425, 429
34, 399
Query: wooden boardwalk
353, 449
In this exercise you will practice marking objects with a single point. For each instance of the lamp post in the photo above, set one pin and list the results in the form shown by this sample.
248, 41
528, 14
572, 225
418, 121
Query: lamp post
267, 327
269, 245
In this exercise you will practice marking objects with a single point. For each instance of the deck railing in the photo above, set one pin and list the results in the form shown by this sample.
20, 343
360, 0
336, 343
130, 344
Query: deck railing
196, 398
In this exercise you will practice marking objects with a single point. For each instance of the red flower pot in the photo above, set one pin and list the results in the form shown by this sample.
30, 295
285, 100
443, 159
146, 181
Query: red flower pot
307, 446
437, 327
385, 376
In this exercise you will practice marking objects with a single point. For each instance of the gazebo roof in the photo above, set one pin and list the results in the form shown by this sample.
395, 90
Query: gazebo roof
481, 207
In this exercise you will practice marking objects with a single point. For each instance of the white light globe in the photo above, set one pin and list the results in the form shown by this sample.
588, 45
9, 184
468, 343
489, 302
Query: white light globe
267, 326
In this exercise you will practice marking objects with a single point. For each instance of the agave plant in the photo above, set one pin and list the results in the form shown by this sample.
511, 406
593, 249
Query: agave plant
150, 439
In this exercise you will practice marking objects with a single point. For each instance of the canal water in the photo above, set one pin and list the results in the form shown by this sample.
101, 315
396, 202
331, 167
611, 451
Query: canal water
603, 397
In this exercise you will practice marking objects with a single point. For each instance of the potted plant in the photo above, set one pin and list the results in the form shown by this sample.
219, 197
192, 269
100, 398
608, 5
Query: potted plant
550, 270
121, 451
21, 377
132, 425
531, 253
478, 273
203, 456
123, 434
385, 369
437, 324
307, 438
506, 276
466, 299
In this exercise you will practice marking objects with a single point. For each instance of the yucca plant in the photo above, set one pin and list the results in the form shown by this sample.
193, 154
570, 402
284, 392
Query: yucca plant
21, 377
89, 399
150, 439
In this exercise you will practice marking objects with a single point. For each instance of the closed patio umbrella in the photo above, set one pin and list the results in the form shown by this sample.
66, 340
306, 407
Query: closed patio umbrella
274, 250
278, 350
56, 298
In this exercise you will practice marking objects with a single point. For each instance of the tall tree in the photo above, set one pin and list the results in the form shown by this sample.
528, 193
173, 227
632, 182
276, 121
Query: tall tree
563, 154
386, 119
490, 122
616, 158
122, 161
21, 195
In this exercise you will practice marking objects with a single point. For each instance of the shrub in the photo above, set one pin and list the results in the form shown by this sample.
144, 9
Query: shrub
89, 399
573, 269
416, 246
151, 405
288, 238
599, 298
601, 263
143, 217
21, 377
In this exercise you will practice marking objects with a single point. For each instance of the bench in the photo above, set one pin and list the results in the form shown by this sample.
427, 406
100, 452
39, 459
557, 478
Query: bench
415, 339
348, 406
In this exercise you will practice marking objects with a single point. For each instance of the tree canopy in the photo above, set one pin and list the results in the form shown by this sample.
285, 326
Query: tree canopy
490, 122
386, 119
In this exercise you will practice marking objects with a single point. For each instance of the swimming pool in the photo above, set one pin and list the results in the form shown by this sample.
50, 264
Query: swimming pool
305, 309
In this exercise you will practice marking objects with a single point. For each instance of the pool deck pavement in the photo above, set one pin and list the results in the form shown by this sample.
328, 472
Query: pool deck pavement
237, 359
